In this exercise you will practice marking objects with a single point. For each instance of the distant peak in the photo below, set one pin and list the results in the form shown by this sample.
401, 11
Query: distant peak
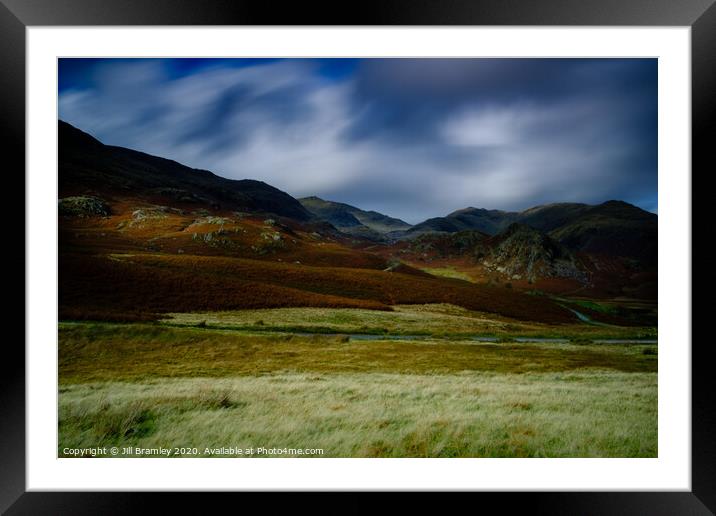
541, 207
615, 202
469, 209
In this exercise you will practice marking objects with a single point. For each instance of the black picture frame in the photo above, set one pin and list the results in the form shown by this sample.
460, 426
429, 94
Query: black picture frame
17, 15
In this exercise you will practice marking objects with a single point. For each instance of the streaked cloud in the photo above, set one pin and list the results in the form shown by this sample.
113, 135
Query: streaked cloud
411, 138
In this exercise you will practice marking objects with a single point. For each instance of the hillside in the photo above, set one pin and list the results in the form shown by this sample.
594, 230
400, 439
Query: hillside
517, 253
613, 228
606, 251
88, 167
354, 221
485, 221
547, 217
141, 236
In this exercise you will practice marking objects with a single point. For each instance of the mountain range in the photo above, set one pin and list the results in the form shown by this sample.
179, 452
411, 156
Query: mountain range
613, 228
354, 221
141, 219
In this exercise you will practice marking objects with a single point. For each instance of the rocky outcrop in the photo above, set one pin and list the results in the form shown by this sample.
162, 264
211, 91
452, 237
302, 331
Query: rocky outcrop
522, 252
83, 206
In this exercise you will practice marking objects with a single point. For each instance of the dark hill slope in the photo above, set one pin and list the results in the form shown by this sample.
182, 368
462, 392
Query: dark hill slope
551, 216
86, 166
344, 216
613, 228
144, 285
485, 221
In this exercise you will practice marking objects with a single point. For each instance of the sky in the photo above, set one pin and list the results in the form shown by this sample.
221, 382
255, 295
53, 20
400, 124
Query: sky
411, 138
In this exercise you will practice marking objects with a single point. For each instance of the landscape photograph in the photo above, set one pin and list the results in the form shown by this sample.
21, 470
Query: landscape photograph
357, 258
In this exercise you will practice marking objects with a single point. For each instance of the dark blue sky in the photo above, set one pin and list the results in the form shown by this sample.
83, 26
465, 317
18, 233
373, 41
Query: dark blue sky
413, 138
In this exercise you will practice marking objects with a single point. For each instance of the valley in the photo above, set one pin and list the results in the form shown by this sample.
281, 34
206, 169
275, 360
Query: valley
200, 311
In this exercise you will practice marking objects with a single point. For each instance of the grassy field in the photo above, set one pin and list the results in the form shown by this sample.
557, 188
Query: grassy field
437, 320
153, 385
468, 414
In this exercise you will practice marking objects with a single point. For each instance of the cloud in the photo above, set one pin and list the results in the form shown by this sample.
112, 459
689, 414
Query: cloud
410, 138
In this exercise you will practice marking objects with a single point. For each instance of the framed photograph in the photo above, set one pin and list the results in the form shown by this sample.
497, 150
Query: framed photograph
416, 248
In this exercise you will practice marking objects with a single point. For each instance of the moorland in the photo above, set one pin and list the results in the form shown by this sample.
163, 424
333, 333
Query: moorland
201, 312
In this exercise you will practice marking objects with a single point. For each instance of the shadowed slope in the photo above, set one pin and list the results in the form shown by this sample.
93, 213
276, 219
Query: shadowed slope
88, 166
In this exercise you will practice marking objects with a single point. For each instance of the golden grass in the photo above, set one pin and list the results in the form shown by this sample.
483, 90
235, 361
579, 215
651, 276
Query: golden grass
149, 386
469, 414
432, 319
109, 352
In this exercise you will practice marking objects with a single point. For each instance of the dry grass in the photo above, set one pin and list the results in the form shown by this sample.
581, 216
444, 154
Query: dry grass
156, 386
438, 320
158, 283
113, 288
107, 352
175, 230
471, 414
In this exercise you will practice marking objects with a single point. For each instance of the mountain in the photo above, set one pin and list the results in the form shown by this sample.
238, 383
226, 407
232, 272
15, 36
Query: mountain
551, 216
92, 173
140, 236
486, 221
613, 228
88, 167
352, 220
